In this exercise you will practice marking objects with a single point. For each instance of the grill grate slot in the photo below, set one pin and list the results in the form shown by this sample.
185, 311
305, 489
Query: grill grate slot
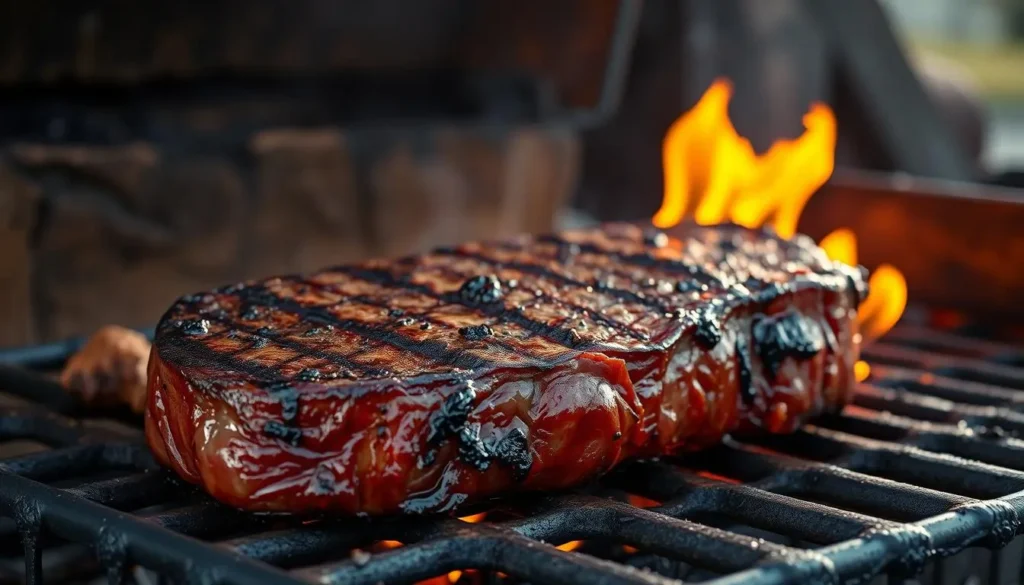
925, 464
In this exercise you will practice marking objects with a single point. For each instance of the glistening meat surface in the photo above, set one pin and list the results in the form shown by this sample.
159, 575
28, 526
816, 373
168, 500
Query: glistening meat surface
425, 382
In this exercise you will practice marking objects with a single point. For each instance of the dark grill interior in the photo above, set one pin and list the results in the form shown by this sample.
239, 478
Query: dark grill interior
924, 465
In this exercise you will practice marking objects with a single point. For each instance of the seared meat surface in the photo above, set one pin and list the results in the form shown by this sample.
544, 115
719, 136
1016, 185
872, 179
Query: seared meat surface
421, 383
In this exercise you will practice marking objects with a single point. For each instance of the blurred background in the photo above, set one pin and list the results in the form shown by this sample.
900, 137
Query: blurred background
152, 149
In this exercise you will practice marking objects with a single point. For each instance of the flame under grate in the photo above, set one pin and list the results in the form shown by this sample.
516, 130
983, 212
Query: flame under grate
926, 463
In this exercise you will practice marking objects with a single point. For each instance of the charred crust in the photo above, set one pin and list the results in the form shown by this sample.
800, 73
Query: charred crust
259, 342
481, 290
309, 375
395, 313
252, 312
194, 326
288, 397
265, 331
472, 450
513, 451
283, 432
424, 326
747, 392
789, 334
319, 330
708, 331
476, 332
448, 420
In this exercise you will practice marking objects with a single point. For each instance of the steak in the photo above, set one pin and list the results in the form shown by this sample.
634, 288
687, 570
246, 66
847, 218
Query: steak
422, 383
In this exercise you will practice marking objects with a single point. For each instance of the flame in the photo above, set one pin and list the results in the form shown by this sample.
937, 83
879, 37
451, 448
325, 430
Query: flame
888, 289
721, 178
861, 370
641, 501
570, 546
713, 175
452, 576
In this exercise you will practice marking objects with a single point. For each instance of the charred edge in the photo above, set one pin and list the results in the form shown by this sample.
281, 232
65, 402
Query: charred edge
288, 397
429, 349
448, 421
472, 450
187, 351
451, 417
747, 392
195, 327
513, 451
546, 273
288, 434
476, 332
789, 334
708, 331
557, 334
260, 336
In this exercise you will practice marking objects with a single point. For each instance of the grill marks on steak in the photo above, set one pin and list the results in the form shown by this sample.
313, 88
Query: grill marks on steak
418, 383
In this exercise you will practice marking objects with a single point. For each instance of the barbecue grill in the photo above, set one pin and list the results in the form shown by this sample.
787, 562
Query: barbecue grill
921, 478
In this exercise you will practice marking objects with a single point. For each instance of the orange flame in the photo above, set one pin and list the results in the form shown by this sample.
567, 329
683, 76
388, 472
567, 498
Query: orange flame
713, 175
570, 546
713, 172
452, 576
888, 295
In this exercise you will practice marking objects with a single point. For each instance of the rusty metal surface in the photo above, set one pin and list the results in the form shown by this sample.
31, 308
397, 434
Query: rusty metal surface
960, 245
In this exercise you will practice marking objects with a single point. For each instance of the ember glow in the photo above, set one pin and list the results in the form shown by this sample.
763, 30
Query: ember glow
713, 175
570, 546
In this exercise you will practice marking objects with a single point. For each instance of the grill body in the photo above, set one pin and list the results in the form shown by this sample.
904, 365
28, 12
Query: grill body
921, 478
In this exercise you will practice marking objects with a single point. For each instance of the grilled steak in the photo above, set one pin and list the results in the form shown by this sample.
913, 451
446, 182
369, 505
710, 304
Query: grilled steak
421, 383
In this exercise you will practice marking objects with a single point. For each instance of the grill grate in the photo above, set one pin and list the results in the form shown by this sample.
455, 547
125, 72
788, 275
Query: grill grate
925, 464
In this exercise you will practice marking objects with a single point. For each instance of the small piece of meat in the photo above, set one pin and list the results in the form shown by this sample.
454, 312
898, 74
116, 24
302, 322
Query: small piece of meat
422, 383
110, 368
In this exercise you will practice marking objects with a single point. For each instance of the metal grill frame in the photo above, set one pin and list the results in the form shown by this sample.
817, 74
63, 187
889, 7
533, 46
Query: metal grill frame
931, 459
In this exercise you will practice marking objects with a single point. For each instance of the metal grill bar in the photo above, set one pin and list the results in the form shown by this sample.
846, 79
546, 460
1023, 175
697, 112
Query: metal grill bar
925, 464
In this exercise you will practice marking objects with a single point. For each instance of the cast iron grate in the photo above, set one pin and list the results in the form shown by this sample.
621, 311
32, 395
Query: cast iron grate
925, 464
